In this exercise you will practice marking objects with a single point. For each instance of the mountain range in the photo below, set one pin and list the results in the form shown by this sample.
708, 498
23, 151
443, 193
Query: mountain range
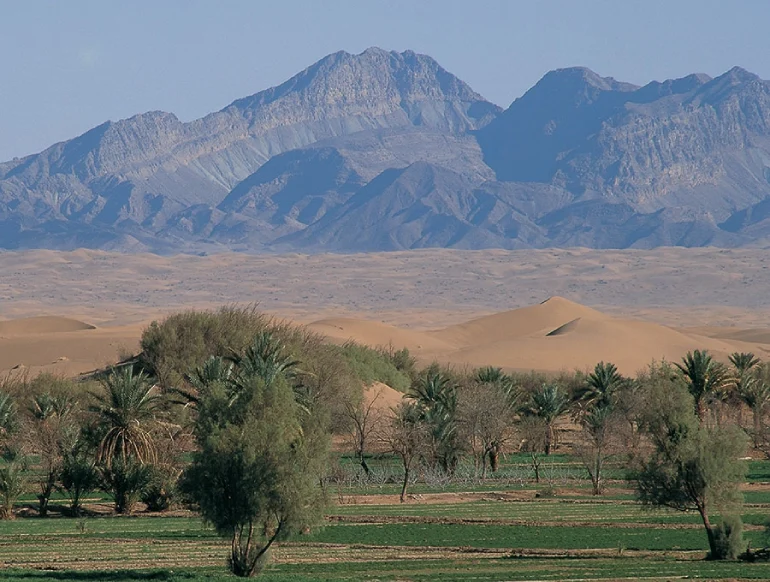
387, 151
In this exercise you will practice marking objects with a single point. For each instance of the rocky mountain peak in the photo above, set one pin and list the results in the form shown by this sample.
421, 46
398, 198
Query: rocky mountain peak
387, 150
574, 87
343, 79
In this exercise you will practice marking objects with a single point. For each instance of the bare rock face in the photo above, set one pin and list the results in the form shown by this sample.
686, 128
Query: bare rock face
696, 141
148, 168
387, 150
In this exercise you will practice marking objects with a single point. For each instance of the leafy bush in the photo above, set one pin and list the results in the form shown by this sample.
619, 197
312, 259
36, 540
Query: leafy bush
126, 480
370, 365
78, 477
728, 539
183, 341
12, 486
161, 492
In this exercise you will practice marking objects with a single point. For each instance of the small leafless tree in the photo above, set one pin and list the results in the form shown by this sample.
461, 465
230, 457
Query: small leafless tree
366, 416
407, 437
485, 414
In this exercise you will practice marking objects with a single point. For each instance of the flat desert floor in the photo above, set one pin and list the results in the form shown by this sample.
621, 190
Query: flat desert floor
71, 312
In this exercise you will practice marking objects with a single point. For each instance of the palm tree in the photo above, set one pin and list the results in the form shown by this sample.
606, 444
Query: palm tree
9, 419
491, 375
743, 362
265, 358
126, 410
600, 386
754, 391
436, 395
51, 432
215, 370
547, 404
46, 406
705, 377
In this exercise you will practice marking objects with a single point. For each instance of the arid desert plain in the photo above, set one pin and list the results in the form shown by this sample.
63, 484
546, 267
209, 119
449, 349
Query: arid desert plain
547, 310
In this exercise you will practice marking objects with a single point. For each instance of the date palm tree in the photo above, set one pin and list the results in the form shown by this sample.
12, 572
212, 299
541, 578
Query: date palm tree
743, 362
753, 389
436, 396
600, 386
547, 404
215, 370
266, 358
9, 418
127, 410
705, 377
51, 432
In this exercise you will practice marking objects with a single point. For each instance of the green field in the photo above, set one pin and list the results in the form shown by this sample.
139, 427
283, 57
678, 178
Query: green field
479, 532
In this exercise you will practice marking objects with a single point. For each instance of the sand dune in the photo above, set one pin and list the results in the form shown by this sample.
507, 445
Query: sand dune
67, 353
541, 318
556, 335
45, 324
374, 333
382, 397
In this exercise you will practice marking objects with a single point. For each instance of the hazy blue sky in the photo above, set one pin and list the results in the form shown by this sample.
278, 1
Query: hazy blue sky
66, 66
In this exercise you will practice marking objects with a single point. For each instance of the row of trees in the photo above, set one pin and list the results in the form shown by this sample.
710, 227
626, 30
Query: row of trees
676, 429
254, 402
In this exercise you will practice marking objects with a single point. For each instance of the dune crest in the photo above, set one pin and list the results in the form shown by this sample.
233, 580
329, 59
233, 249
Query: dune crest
557, 334
537, 319
375, 333
44, 324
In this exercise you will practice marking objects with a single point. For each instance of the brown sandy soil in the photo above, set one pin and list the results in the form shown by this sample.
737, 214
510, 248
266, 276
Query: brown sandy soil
66, 348
81, 310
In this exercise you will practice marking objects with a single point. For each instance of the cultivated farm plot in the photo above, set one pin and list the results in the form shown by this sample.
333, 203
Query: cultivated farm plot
472, 535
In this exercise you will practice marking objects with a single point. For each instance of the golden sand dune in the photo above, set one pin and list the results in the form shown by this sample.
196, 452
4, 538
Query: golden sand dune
374, 333
559, 335
523, 322
41, 325
67, 353
554, 335
382, 397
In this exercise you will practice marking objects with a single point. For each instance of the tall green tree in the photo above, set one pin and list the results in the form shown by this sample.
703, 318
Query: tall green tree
51, 431
693, 467
436, 396
547, 404
259, 463
127, 411
600, 386
753, 389
705, 377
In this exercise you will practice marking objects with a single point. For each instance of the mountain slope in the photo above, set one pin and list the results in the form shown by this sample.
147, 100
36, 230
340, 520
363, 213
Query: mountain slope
694, 142
137, 173
386, 150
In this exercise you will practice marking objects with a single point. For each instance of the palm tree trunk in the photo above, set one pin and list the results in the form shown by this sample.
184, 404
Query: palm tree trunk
494, 458
757, 412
